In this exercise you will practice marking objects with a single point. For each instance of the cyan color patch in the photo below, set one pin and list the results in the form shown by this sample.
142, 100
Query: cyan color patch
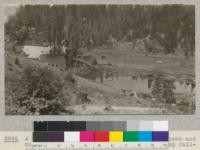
145, 136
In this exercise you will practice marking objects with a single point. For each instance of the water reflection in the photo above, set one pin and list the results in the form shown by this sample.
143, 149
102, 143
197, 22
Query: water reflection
150, 80
144, 84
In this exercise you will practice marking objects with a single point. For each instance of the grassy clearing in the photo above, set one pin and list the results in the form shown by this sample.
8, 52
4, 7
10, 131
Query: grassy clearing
123, 59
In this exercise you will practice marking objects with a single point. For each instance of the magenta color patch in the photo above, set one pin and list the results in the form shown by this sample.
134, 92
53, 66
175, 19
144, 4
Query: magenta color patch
86, 136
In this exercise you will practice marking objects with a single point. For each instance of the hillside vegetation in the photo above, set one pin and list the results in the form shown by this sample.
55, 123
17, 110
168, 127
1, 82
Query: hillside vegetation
92, 48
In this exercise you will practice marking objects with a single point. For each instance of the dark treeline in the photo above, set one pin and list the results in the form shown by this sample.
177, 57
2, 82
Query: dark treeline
91, 25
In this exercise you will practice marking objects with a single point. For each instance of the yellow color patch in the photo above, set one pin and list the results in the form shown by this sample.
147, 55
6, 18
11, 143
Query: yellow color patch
116, 136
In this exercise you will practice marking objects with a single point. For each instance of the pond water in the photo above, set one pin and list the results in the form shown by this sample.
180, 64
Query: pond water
139, 84
35, 51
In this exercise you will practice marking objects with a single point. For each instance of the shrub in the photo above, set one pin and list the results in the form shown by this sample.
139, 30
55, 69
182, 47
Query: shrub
157, 87
69, 78
40, 92
41, 82
162, 89
168, 93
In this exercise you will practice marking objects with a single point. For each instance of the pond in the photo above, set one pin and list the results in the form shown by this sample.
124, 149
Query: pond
35, 51
141, 84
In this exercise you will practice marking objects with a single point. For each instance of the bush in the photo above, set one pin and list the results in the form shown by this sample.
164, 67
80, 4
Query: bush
163, 89
69, 78
168, 93
40, 92
41, 82
157, 87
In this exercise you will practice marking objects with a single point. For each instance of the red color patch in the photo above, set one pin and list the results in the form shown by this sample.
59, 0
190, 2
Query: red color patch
102, 136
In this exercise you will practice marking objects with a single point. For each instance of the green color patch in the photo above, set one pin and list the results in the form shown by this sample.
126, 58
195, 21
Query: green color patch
130, 136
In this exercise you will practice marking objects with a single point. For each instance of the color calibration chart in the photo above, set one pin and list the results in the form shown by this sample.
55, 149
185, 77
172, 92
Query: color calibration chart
105, 131
102, 134
106, 135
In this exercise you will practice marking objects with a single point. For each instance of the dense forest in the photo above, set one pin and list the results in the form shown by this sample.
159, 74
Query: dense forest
89, 26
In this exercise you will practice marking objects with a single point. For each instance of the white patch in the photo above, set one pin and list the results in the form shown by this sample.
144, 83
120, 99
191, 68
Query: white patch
35, 51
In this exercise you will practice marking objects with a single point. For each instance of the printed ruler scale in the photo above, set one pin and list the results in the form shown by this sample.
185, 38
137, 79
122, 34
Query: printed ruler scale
97, 146
178, 140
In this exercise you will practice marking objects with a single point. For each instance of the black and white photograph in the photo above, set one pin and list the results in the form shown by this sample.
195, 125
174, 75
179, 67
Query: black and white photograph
99, 59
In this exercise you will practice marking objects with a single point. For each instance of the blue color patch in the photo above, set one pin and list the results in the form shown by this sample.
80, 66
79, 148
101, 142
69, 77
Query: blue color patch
145, 136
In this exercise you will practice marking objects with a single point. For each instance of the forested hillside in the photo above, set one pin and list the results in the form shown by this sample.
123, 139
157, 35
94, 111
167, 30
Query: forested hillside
100, 59
85, 26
